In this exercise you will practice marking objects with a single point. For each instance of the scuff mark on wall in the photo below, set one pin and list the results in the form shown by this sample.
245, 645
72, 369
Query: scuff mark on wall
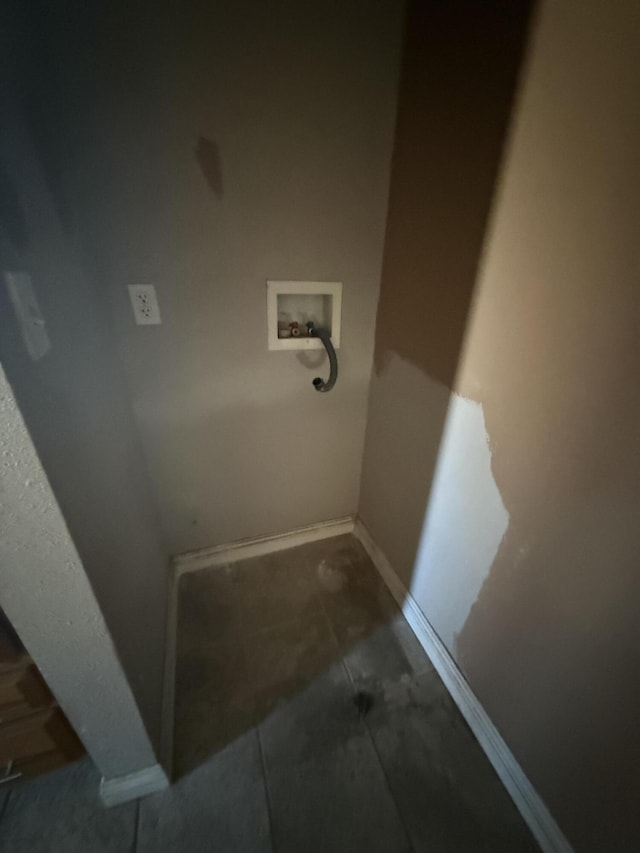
208, 157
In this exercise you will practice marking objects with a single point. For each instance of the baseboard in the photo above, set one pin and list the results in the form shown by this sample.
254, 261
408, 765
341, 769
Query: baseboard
245, 548
530, 805
133, 786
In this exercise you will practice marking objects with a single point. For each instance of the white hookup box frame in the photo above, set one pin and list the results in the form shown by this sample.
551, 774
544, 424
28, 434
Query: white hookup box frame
290, 302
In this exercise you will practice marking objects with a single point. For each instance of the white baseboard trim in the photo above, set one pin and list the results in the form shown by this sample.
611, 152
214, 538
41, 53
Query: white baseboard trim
143, 782
530, 805
220, 555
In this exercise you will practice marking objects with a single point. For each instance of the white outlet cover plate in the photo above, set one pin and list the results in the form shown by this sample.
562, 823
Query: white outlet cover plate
146, 311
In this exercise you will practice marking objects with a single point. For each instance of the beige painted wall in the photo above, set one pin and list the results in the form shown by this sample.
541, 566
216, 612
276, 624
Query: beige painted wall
512, 477
299, 99
74, 400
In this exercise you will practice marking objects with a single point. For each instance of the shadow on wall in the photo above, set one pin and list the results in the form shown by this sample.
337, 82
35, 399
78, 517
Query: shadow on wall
459, 77
460, 72
74, 400
12, 218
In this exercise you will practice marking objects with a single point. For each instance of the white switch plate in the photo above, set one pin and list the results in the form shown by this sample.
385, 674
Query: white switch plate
144, 302
25, 304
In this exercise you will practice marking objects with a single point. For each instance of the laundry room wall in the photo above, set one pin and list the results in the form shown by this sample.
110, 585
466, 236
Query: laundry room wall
235, 144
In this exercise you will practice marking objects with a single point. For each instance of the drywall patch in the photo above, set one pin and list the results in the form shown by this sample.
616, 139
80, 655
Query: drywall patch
465, 522
208, 157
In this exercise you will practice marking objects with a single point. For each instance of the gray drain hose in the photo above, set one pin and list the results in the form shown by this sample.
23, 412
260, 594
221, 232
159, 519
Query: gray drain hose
318, 383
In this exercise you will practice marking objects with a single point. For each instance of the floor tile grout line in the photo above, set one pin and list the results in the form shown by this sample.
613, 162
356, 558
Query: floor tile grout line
377, 754
265, 777
136, 829
347, 673
332, 630
390, 789
381, 765
5, 803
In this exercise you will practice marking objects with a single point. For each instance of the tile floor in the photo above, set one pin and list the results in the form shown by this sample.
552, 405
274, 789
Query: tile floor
272, 752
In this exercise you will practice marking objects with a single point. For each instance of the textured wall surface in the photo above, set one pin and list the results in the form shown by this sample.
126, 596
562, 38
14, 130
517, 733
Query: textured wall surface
45, 592
75, 399
502, 471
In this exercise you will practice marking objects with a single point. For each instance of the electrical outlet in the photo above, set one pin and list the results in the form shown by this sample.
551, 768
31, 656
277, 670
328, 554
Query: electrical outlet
146, 311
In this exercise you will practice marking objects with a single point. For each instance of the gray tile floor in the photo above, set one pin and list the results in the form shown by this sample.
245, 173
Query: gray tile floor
272, 753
